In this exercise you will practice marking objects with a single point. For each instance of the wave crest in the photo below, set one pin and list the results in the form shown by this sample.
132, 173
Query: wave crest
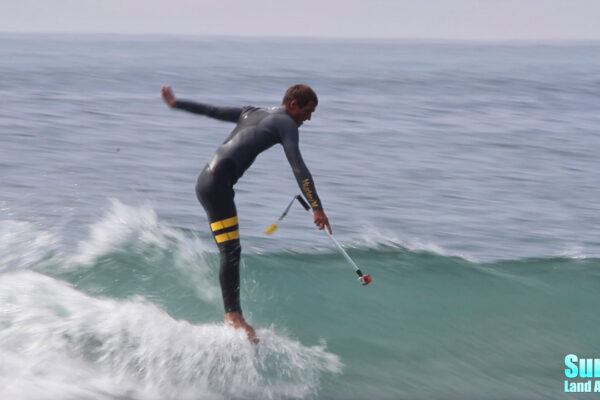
134, 349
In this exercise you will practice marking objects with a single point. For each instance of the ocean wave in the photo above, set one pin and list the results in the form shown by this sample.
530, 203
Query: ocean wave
57, 342
133, 239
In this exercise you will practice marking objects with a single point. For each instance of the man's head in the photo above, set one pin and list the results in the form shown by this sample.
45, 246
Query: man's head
300, 101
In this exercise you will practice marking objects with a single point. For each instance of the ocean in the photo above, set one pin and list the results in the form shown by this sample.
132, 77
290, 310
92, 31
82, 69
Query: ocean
461, 175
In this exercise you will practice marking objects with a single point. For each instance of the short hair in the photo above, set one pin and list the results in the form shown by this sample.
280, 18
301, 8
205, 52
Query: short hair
303, 94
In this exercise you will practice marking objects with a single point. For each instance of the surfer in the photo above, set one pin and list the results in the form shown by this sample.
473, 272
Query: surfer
256, 130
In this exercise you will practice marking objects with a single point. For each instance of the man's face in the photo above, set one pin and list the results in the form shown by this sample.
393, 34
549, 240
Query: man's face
301, 114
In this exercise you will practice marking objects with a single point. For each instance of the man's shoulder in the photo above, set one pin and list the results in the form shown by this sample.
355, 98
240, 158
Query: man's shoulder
283, 120
250, 109
274, 119
263, 112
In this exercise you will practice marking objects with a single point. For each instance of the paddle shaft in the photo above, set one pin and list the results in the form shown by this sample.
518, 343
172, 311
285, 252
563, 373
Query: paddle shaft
339, 246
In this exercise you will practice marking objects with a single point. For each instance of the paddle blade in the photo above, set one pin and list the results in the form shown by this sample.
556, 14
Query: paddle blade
271, 229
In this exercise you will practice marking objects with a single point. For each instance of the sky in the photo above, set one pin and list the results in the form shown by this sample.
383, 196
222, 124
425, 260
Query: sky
409, 19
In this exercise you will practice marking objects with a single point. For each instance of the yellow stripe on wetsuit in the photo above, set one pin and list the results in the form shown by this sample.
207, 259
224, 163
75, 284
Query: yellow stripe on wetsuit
224, 237
224, 224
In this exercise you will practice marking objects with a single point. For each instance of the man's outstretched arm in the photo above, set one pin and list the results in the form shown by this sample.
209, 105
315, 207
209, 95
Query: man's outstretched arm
231, 114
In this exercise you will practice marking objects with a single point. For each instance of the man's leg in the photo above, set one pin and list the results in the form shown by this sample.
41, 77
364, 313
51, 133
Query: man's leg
226, 234
216, 196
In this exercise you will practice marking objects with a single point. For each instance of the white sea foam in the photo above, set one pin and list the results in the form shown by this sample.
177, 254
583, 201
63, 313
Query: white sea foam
22, 245
123, 223
374, 237
574, 252
56, 342
124, 227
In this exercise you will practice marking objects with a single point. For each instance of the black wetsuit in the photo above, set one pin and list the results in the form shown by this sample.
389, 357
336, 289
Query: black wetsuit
257, 130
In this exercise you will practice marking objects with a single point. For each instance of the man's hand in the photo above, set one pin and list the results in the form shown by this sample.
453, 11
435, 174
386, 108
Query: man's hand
322, 221
167, 95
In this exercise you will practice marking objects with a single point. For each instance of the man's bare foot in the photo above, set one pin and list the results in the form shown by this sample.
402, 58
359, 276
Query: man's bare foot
236, 320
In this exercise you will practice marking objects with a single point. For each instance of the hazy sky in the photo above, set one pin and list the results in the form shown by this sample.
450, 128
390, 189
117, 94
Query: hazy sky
442, 19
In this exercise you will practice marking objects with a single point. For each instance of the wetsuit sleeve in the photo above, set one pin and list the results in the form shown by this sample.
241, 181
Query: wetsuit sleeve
290, 142
231, 114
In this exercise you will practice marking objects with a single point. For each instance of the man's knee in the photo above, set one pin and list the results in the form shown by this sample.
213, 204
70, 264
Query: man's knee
231, 250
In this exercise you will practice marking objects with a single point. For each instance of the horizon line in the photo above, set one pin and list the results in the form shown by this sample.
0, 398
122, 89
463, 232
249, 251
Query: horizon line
302, 37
